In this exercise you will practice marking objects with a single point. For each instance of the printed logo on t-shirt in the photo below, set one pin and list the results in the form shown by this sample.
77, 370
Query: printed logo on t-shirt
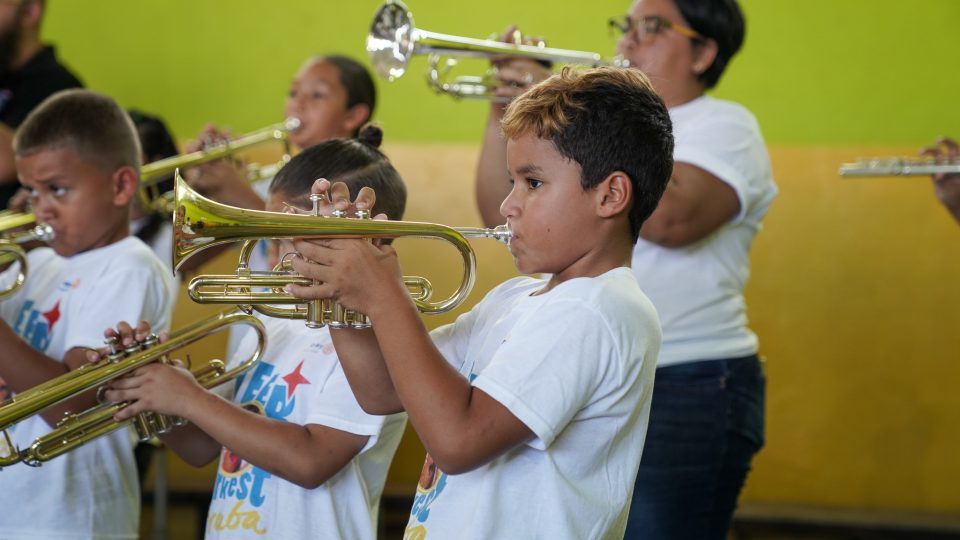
67, 285
431, 484
270, 394
35, 326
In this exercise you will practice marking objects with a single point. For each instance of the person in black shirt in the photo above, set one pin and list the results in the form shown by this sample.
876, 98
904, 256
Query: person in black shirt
29, 73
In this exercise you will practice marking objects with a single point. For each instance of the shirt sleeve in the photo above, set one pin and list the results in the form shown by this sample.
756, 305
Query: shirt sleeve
453, 340
729, 146
334, 405
553, 371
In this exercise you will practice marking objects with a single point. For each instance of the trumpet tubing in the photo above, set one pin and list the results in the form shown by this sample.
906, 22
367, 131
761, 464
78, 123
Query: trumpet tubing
394, 39
11, 251
200, 223
153, 173
12, 220
77, 429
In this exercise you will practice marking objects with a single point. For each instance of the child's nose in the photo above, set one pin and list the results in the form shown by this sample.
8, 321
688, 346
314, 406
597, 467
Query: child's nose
41, 208
508, 208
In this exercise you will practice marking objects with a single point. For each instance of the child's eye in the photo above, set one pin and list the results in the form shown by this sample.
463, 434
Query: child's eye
533, 183
58, 191
318, 95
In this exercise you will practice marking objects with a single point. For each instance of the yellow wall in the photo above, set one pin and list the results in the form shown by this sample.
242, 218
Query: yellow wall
856, 301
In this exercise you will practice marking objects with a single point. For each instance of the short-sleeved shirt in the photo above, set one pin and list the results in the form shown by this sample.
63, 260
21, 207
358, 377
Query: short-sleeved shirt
576, 366
698, 289
66, 303
300, 380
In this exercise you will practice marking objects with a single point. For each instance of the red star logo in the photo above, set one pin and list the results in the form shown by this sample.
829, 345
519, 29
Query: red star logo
52, 316
295, 379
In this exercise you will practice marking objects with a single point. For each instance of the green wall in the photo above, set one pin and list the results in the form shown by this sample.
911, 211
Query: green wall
824, 72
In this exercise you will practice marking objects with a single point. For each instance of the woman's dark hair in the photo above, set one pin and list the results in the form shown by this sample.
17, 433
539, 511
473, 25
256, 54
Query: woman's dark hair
356, 80
719, 20
356, 162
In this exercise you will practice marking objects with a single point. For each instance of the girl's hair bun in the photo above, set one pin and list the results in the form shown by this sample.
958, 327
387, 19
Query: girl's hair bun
371, 135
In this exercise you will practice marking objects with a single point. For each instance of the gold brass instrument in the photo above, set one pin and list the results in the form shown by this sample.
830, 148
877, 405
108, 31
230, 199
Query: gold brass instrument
12, 220
200, 223
153, 173
77, 429
393, 40
899, 166
11, 251
263, 292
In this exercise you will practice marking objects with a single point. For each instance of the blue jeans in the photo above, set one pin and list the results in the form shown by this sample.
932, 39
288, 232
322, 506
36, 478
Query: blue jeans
706, 423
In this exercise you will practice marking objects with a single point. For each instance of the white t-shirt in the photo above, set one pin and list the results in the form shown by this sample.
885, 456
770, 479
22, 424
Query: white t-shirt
576, 366
300, 380
91, 491
698, 289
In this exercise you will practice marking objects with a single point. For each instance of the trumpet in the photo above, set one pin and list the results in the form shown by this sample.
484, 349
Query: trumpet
155, 172
393, 40
200, 223
11, 251
12, 220
77, 429
899, 166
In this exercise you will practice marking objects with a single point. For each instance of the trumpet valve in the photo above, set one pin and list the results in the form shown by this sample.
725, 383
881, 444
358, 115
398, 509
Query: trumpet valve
359, 320
113, 352
317, 314
316, 199
338, 319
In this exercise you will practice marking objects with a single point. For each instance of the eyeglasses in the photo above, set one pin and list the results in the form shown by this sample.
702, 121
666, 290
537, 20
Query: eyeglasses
650, 26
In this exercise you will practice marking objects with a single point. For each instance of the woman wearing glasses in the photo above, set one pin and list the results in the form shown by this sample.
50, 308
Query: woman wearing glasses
706, 419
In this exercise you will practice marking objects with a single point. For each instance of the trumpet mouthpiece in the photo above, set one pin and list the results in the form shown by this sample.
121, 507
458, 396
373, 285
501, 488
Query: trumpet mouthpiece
500, 233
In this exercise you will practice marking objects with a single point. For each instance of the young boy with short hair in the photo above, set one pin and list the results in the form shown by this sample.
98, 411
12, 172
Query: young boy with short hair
78, 155
299, 458
533, 405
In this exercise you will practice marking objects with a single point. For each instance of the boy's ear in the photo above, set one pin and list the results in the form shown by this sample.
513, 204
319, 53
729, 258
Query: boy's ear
124, 184
614, 194
357, 116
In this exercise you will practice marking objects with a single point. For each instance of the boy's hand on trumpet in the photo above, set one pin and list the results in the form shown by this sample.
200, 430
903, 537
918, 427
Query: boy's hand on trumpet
157, 387
356, 273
